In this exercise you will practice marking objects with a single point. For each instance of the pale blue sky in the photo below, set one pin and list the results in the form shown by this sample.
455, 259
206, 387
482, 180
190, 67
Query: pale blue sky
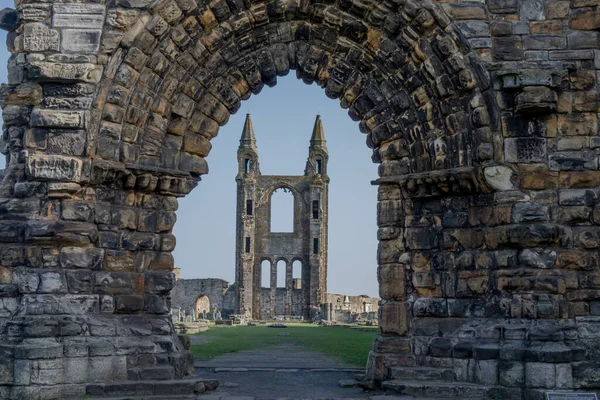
283, 119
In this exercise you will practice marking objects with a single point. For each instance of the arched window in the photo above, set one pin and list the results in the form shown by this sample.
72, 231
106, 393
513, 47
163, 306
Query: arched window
265, 274
247, 165
297, 274
315, 209
282, 211
319, 166
281, 274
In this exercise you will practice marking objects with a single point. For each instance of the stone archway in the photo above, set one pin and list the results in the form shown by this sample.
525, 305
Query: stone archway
202, 306
484, 127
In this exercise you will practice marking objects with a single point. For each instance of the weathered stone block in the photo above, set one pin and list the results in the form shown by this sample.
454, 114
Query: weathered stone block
52, 167
73, 210
42, 348
540, 375
511, 373
127, 304
86, 21
52, 282
75, 8
486, 372
107, 369
536, 100
159, 282
39, 38
47, 71
393, 318
57, 119
389, 251
78, 257
81, 40
79, 281
503, 6
26, 280
430, 307
585, 18
28, 93
573, 160
507, 48
193, 164
196, 144
112, 283
524, 150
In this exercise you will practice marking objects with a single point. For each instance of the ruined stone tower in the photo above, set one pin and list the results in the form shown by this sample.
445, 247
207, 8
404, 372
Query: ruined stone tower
256, 243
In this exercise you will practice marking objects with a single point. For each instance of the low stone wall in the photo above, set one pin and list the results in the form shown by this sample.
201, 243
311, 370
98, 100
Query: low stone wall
190, 328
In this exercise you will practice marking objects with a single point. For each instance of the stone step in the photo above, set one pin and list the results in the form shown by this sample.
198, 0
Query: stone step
423, 374
162, 397
439, 389
151, 373
162, 388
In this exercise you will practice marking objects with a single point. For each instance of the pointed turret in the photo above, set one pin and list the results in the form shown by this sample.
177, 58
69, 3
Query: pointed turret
318, 135
248, 139
247, 151
317, 151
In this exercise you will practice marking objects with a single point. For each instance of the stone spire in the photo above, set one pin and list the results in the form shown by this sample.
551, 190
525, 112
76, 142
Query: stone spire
318, 136
248, 139
317, 151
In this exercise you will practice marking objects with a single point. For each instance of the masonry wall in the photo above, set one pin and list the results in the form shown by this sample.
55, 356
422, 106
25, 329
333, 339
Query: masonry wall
275, 307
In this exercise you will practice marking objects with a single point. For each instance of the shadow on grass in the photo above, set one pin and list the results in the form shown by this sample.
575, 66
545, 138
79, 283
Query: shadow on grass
349, 345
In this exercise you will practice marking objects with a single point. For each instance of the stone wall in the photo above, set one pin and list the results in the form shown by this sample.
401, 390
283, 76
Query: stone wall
220, 294
349, 309
482, 116
275, 306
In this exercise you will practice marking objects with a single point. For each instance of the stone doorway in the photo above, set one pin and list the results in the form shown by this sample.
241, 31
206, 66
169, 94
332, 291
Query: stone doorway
202, 307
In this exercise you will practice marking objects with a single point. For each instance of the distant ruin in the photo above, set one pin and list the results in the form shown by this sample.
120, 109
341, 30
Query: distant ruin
221, 296
257, 247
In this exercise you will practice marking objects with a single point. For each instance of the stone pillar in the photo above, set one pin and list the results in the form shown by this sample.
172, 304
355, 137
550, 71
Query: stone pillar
289, 285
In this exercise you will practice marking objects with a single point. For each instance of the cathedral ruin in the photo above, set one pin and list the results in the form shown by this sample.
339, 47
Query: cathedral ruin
256, 243
258, 247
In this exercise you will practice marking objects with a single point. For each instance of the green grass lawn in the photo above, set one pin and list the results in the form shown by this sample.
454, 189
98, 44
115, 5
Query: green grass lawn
352, 346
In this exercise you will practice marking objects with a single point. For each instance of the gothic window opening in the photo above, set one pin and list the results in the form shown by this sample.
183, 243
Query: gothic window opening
265, 274
247, 244
249, 205
282, 211
297, 274
281, 274
315, 246
247, 165
315, 209
319, 166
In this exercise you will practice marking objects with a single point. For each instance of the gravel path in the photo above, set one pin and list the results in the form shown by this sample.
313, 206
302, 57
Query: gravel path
278, 372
